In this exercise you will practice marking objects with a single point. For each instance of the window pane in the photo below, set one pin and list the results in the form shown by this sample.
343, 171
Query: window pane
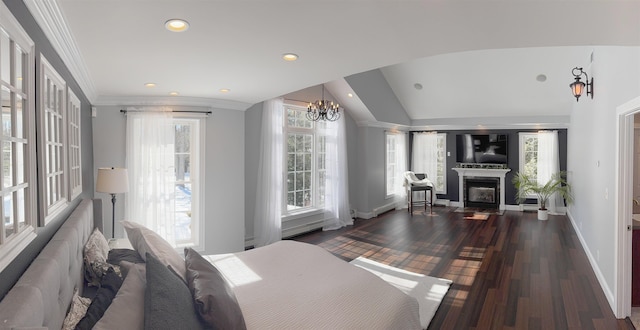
7, 164
291, 178
6, 111
20, 209
299, 199
19, 149
5, 57
19, 116
183, 212
19, 57
8, 216
291, 162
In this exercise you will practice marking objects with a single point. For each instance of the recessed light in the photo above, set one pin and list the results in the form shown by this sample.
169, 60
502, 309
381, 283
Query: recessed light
290, 57
417, 86
150, 85
173, 93
176, 25
224, 90
350, 95
541, 78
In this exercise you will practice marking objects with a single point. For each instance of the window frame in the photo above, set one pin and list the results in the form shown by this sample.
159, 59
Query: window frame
387, 136
442, 154
316, 207
74, 138
522, 136
10, 247
197, 163
60, 190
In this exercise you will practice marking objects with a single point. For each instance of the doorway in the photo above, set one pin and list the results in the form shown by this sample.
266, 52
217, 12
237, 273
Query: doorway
624, 200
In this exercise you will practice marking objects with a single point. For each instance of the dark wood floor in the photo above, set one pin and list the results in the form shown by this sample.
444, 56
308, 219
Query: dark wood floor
510, 271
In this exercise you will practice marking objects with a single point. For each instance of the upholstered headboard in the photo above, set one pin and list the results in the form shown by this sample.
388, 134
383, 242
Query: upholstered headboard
42, 295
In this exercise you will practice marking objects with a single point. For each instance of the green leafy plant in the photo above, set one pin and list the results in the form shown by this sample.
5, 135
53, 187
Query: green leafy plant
527, 186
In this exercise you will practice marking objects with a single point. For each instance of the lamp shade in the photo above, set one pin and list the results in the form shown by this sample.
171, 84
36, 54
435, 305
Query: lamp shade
112, 180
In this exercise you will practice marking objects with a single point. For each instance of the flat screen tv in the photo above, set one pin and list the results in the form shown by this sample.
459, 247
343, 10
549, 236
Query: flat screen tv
481, 148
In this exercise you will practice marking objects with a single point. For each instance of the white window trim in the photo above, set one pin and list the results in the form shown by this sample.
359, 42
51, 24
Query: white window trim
49, 212
11, 248
197, 189
388, 195
74, 110
309, 210
521, 139
443, 136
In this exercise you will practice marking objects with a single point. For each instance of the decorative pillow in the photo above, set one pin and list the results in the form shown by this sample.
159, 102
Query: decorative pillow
96, 251
167, 300
109, 285
116, 256
213, 297
145, 240
127, 308
76, 312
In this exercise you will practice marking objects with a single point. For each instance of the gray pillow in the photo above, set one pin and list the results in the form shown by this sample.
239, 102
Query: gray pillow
214, 298
145, 240
127, 308
167, 300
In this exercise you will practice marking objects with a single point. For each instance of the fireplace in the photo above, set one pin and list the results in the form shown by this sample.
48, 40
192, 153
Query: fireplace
482, 192
481, 173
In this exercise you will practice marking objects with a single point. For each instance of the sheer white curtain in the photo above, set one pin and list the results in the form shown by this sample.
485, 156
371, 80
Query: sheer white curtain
424, 155
151, 167
337, 180
549, 164
400, 191
268, 209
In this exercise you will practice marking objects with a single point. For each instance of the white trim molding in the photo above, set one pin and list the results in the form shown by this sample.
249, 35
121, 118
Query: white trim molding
49, 17
621, 300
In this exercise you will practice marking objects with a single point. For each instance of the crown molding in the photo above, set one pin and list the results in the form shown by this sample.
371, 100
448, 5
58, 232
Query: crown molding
171, 101
490, 123
49, 17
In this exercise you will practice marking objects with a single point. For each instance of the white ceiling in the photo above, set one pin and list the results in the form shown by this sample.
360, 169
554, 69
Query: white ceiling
488, 69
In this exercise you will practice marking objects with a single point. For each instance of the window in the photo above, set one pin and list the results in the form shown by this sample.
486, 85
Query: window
188, 151
74, 134
305, 161
441, 173
395, 161
17, 182
529, 154
52, 155
165, 162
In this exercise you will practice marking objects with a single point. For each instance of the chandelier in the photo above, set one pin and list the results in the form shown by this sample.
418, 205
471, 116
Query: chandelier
323, 110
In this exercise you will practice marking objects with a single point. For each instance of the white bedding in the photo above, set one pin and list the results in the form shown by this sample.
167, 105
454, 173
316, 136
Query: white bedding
293, 285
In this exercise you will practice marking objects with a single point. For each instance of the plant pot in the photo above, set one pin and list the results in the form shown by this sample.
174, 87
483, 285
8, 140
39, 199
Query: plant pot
543, 214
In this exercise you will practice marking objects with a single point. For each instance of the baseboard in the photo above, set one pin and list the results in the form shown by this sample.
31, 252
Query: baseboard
384, 208
365, 215
594, 265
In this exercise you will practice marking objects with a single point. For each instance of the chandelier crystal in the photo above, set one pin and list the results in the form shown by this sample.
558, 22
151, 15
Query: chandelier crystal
323, 110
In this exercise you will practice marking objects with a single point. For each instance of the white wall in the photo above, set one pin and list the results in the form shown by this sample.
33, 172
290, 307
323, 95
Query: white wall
224, 173
591, 154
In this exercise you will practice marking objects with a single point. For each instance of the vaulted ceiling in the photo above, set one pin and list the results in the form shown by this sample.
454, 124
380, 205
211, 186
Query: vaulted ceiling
470, 58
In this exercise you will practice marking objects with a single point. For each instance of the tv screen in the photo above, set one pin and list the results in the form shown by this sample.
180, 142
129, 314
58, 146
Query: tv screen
481, 148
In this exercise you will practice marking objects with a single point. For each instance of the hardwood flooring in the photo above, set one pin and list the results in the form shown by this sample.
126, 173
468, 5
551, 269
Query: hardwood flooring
509, 271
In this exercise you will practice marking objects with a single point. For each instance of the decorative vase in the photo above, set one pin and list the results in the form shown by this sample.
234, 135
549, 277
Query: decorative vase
543, 214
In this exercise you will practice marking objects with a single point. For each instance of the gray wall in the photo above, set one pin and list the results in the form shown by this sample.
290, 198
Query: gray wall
12, 272
374, 91
224, 194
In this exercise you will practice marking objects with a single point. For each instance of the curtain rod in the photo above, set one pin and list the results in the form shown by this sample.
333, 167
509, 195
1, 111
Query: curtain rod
189, 111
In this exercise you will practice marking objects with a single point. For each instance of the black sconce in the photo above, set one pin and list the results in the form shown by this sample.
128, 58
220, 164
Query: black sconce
577, 87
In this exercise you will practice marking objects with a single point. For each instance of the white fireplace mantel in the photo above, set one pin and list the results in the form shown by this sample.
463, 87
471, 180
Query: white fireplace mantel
482, 172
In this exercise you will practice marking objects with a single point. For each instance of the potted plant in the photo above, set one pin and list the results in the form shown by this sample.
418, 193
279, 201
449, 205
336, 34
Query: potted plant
527, 186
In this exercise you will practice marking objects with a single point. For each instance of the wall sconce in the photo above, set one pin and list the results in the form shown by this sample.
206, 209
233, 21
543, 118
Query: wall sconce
577, 87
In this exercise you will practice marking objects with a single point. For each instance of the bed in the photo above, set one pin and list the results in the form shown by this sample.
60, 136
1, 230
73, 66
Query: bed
286, 285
